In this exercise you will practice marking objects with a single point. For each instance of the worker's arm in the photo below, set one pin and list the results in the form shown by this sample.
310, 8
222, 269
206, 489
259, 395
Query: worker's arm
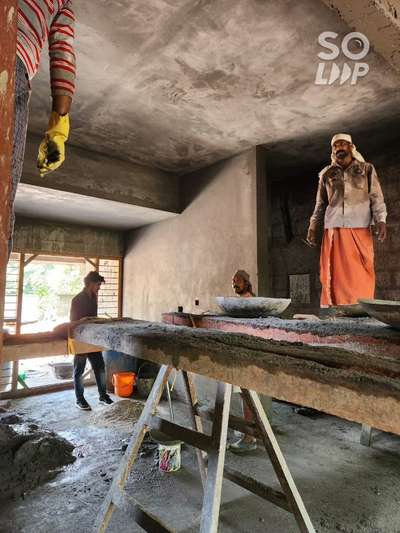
62, 76
319, 210
61, 103
377, 202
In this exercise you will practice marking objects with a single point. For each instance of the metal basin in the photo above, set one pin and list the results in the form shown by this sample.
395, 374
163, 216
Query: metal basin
252, 307
387, 311
351, 311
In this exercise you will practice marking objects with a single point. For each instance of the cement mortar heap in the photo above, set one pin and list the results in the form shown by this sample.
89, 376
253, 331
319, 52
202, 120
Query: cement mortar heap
29, 456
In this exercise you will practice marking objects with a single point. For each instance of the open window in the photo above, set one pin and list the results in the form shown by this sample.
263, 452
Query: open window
39, 290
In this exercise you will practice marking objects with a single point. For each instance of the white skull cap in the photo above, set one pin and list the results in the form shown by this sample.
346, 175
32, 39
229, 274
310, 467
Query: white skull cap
341, 137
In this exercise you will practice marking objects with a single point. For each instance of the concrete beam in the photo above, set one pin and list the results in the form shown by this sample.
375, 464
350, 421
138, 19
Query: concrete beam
43, 237
96, 175
8, 40
379, 20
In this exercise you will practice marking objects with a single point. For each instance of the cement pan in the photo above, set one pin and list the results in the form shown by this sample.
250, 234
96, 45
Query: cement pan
352, 311
252, 307
387, 311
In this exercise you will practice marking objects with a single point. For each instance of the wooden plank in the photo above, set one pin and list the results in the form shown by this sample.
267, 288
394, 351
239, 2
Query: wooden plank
366, 435
45, 389
278, 462
14, 380
191, 397
216, 461
93, 263
132, 508
120, 286
20, 293
121, 475
178, 432
8, 43
235, 422
256, 487
44, 349
275, 369
30, 259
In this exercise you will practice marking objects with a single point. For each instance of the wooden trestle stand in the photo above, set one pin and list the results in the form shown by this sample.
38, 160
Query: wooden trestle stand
213, 470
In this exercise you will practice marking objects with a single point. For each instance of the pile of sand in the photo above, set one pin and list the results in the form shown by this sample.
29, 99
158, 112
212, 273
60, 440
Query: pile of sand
121, 413
29, 455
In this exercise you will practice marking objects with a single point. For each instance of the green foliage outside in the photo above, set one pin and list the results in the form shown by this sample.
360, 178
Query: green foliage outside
52, 286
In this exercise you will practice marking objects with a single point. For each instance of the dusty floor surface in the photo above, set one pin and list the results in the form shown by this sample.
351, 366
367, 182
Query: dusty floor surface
346, 487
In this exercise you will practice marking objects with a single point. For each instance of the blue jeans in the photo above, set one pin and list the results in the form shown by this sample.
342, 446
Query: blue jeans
97, 363
22, 95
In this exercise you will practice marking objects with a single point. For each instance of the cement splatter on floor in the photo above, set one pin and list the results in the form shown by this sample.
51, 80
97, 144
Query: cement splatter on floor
347, 488
121, 413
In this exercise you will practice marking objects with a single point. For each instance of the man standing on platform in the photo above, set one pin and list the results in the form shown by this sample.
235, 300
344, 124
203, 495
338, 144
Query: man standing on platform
84, 305
41, 21
350, 199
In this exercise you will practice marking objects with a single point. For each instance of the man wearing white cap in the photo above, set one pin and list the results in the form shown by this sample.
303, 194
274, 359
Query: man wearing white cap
349, 199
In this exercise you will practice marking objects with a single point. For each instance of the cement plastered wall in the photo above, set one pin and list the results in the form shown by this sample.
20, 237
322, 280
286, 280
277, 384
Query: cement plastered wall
293, 202
194, 255
38, 236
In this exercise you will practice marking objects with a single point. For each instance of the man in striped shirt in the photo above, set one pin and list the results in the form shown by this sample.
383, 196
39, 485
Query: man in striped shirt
40, 21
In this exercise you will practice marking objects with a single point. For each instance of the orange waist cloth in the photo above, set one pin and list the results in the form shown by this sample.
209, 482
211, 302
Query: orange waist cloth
347, 266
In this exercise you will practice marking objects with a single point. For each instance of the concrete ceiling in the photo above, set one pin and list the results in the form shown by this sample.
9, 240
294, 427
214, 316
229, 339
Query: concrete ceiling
62, 206
179, 84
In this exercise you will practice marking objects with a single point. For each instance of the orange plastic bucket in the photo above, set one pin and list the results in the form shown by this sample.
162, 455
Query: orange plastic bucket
123, 383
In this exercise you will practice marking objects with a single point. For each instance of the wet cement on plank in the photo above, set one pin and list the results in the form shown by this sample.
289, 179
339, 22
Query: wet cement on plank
368, 327
328, 365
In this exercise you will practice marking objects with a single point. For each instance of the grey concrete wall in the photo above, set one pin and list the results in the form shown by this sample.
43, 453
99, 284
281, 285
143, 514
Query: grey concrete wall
39, 236
194, 255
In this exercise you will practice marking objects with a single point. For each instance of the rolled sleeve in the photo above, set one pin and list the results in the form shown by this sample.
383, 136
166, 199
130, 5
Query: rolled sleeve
321, 203
377, 201
61, 51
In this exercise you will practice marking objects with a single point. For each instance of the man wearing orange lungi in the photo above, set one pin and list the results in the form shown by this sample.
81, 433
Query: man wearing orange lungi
350, 199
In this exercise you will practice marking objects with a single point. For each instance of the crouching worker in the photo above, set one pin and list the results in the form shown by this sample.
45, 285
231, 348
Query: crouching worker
84, 305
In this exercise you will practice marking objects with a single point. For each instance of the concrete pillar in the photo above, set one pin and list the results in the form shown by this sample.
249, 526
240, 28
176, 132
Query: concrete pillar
8, 39
258, 167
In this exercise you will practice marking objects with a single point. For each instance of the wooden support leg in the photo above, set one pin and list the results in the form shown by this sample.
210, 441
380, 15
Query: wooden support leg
216, 461
266, 402
196, 421
116, 495
366, 435
14, 382
279, 464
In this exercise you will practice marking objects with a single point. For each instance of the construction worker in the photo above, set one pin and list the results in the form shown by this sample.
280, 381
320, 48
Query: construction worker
349, 200
40, 21
84, 305
242, 286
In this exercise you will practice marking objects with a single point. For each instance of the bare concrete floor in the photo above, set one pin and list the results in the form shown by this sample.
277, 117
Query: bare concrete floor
346, 487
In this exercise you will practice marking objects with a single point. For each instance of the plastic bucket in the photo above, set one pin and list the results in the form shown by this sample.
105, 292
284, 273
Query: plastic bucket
118, 362
123, 383
169, 457
145, 379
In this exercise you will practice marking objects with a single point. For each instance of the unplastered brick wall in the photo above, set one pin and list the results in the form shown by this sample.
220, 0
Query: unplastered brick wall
387, 255
293, 202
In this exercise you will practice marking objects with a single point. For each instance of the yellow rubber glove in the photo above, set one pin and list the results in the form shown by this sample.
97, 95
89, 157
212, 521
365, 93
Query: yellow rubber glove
52, 148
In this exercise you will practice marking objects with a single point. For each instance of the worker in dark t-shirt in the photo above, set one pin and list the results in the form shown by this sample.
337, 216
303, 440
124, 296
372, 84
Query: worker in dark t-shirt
84, 305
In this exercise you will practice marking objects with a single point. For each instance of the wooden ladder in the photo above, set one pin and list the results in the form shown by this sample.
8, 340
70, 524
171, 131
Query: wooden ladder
214, 446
